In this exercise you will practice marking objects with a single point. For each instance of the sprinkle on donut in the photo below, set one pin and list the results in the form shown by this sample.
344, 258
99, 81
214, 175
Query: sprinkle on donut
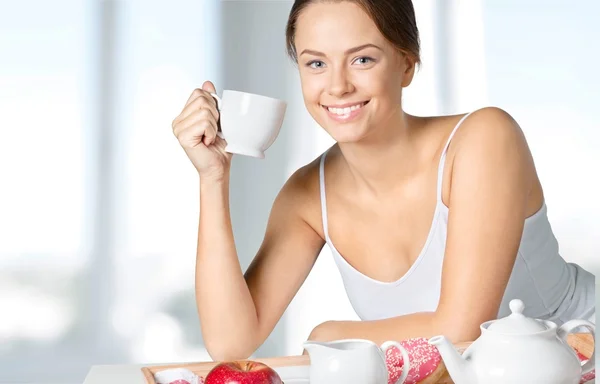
424, 360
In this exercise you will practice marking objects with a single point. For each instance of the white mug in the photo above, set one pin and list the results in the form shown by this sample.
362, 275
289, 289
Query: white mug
250, 123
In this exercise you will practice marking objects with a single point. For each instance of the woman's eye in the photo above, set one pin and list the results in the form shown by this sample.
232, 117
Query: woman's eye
318, 64
315, 64
364, 60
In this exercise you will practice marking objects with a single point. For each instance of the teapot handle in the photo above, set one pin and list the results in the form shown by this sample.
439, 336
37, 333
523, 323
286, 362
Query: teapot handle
406, 366
568, 327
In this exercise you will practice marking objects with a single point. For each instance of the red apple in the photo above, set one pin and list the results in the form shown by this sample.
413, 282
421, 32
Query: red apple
242, 372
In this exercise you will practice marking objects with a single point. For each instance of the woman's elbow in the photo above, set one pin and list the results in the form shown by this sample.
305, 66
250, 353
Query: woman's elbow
457, 330
220, 351
464, 334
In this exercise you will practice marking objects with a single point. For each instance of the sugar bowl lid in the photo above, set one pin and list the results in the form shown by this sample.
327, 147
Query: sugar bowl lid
516, 322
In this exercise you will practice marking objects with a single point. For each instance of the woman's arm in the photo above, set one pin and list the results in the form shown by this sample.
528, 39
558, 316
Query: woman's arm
492, 176
238, 312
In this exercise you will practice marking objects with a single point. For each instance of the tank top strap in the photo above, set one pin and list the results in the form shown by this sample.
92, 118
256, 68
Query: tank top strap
442, 163
323, 195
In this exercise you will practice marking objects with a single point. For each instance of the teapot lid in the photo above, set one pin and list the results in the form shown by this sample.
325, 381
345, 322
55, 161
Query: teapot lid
517, 323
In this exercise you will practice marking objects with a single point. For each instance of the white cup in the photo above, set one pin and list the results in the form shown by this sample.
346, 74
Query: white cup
250, 123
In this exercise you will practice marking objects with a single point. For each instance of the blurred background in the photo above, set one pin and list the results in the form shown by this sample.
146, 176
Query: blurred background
99, 204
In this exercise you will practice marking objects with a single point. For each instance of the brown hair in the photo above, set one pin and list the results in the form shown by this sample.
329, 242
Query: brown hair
395, 19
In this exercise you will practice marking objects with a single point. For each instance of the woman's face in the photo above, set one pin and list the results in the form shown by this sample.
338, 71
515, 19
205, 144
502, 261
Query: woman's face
351, 76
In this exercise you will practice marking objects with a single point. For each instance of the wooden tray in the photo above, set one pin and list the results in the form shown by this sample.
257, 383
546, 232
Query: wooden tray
202, 369
582, 342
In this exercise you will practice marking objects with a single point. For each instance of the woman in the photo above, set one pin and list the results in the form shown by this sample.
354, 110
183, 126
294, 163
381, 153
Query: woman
434, 228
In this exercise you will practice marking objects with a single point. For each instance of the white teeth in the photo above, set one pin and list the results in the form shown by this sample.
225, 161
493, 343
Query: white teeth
344, 111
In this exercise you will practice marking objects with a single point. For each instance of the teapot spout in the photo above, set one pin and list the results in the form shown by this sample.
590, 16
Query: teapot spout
455, 364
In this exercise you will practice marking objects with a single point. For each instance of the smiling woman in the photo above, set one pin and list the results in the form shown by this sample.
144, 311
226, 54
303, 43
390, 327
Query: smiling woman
438, 221
373, 56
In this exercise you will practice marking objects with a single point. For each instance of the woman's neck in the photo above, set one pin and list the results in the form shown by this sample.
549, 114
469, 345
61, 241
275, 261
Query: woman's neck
388, 156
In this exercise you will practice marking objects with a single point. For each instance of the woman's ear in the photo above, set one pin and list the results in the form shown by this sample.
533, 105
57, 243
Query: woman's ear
408, 64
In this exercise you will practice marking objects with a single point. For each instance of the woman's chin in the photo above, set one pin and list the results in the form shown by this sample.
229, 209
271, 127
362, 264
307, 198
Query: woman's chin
347, 133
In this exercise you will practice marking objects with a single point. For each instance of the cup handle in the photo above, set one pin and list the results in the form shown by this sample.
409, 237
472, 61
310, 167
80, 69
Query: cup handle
568, 327
406, 367
219, 108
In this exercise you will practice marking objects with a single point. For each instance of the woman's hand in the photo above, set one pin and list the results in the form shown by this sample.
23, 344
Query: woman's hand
325, 331
196, 129
322, 332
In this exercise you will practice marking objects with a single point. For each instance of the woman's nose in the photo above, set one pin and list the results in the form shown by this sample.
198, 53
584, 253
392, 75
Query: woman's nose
339, 83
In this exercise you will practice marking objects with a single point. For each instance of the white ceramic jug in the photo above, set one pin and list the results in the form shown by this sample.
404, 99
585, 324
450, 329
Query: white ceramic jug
351, 361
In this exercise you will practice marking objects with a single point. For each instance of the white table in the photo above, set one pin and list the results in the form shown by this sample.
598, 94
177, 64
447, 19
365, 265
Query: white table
132, 374
116, 374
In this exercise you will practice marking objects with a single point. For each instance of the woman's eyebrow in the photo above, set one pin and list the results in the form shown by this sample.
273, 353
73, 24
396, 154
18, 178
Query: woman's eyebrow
349, 51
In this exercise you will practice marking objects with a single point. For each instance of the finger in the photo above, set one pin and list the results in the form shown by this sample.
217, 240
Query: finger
209, 136
194, 95
194, 135
209, 87
190, 139
204, 101
195, 118
220, 142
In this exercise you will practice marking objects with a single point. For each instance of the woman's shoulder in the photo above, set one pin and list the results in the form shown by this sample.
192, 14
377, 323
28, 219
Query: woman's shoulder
302, 190
489, 140
479, 130
486, 126
306, 179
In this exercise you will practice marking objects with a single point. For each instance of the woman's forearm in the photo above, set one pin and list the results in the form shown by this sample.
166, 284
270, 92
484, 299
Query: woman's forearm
422, 324
225, 306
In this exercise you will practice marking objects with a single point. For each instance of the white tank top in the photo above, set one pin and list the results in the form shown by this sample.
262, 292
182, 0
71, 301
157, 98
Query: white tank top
550, 288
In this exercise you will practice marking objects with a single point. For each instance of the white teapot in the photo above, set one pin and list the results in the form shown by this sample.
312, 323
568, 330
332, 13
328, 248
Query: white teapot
517, 349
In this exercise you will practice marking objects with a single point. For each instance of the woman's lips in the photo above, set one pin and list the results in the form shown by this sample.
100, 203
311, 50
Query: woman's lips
345, 114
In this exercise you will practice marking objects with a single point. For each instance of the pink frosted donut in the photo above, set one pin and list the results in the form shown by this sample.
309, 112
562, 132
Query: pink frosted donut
424, 361
588, 376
